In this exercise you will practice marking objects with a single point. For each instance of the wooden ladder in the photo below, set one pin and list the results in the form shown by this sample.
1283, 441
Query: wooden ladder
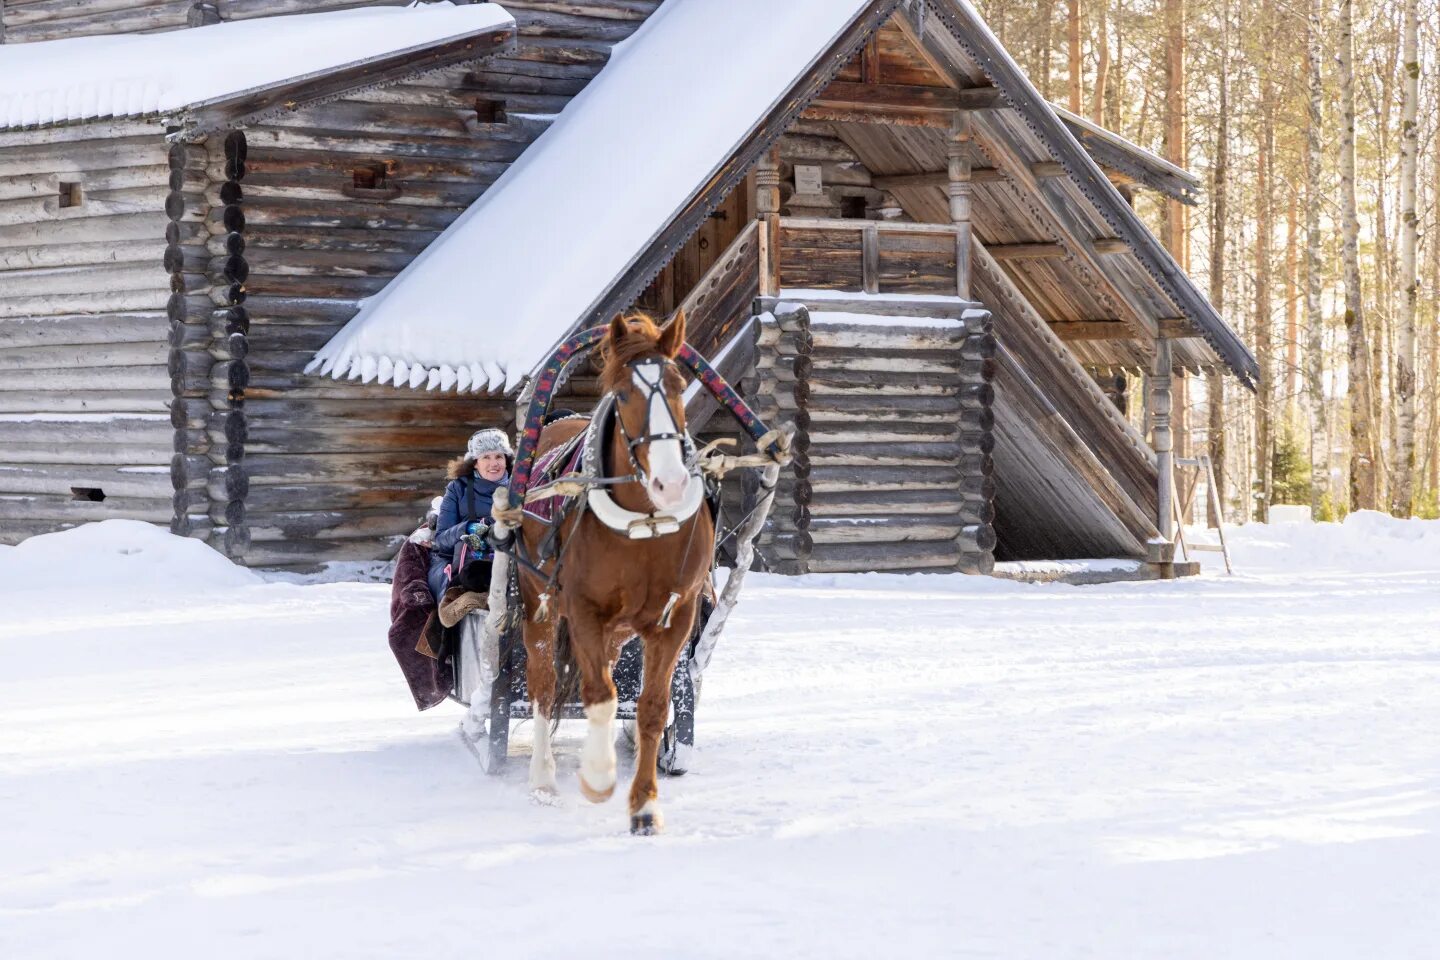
1180, 509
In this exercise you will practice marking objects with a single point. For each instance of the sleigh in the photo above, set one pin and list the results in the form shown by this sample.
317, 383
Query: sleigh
490, 658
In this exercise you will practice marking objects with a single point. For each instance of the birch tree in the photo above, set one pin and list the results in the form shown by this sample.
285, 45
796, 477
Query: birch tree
1314, 267
1402, 497
1362, 447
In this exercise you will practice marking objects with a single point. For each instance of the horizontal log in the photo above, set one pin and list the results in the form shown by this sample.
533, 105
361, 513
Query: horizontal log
861, 558
118, 301
80, 379
68, 509
80, 148
123, 481
827, 479
144, 226
88, 355
112, 454
304, 525
882, 530
305, 555
861, 503
83, 329
86, 401
897, 454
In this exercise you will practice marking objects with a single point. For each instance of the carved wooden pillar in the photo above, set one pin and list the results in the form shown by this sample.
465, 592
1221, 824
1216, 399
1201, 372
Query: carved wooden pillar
1162, 439
767, 209
959, 153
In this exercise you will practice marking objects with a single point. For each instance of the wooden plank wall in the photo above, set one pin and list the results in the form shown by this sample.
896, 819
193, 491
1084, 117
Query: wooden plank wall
84, 386
333, 470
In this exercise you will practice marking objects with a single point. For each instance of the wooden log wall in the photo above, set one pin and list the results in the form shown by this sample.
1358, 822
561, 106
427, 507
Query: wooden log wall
84, 390
895, 431
334, 201
781, 394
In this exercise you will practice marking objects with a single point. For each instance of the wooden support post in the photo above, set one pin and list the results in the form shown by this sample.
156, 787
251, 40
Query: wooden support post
767, 209
959, 153
870, 258
1161, 439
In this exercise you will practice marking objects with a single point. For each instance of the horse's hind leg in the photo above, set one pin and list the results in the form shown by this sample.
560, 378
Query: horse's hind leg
662, 650
540, 679
590, 640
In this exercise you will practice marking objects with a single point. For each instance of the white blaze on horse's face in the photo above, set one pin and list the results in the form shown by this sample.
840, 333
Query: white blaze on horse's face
668, 477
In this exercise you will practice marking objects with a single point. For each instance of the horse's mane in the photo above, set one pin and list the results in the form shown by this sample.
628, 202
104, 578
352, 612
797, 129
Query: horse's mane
642, 335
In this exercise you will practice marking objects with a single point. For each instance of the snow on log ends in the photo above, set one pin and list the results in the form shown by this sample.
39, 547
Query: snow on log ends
143, 75
514, 272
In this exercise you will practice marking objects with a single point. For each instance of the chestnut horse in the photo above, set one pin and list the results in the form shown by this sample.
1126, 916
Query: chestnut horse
611, 587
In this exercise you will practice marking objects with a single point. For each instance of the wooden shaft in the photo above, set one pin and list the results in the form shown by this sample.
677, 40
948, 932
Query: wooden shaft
767, 208
1161, 438
959, 188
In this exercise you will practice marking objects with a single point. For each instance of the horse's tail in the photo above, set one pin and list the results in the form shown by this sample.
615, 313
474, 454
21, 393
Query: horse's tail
567, 673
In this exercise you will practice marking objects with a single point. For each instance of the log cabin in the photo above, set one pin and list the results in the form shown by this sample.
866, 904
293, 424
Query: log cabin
869, 213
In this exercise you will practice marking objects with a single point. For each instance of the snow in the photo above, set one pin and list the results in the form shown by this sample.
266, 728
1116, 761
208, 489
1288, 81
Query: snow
543, 243
874, 320
821, 293
134, 75
1240, 767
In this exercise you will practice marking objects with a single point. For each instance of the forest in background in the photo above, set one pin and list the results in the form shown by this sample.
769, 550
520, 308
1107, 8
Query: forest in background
1313, 125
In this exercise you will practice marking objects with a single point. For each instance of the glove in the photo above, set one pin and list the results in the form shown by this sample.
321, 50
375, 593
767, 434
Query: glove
476, 542
477, 526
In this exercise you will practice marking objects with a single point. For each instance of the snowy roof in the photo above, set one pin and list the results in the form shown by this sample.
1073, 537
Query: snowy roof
557, 229
184, 71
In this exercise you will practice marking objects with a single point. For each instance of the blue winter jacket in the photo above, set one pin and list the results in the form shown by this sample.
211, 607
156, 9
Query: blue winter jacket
454, 518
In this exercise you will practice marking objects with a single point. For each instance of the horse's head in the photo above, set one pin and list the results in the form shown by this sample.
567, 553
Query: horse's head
640, 370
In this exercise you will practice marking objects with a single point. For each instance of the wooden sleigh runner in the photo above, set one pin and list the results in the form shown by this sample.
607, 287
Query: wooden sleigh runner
490, 658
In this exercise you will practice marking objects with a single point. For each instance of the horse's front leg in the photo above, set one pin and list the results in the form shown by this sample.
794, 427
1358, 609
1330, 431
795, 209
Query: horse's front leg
662, 651
540, 679
590, 640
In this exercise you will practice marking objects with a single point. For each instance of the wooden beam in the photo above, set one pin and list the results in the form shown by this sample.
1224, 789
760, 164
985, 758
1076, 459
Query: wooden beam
1108, 247
932, 178
894, 116
1176, 327
1091, 329
1026, 251
846, 95
982, 98
1171, 327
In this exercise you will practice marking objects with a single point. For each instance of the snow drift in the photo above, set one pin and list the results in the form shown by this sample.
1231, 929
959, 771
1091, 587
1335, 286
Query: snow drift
119, 556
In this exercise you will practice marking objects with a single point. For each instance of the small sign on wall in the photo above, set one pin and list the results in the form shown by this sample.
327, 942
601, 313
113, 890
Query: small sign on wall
808, 180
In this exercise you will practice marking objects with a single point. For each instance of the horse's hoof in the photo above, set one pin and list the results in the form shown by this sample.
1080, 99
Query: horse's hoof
646, 821
545, 796
596, 796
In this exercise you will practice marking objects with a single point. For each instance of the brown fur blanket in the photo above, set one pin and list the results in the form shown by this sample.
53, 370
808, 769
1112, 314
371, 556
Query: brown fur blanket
412, 618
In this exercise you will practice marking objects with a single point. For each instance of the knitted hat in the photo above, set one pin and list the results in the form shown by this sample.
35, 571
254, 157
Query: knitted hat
486, 441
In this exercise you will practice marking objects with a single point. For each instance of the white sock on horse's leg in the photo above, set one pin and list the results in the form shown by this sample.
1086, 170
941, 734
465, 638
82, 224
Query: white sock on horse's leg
542, 758
597, 757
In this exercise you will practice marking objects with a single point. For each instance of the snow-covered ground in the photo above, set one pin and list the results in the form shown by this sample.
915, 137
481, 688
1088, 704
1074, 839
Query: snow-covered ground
195, 762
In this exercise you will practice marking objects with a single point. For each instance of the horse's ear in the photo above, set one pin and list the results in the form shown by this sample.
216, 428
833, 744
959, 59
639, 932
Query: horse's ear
673, 335
618, 329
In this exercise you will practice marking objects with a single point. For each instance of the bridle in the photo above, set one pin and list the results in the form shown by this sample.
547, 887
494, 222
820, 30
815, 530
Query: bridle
648, 377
